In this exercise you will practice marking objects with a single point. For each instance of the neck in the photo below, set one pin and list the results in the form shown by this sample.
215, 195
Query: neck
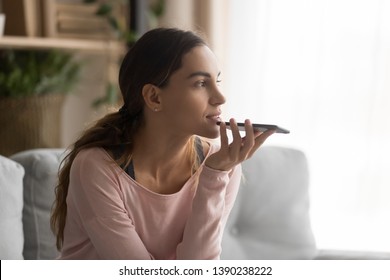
159, 152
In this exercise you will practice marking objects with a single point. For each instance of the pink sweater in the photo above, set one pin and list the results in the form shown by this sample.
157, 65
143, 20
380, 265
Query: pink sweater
111, 216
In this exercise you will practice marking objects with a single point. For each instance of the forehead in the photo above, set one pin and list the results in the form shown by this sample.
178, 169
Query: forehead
199, 59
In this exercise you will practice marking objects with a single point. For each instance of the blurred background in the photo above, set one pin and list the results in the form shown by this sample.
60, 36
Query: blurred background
318, 68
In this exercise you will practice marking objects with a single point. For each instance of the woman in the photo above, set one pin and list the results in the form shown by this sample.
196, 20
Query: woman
139, 184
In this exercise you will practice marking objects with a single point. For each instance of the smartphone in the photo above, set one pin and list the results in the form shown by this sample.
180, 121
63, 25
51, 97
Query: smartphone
259, 127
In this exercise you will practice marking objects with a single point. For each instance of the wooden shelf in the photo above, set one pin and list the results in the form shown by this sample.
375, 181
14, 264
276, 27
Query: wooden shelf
94, 46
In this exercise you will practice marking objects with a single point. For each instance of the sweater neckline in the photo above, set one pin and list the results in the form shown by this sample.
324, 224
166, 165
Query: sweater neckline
142, 188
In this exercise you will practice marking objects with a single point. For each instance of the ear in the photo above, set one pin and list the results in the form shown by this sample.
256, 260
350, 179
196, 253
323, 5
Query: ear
152, 98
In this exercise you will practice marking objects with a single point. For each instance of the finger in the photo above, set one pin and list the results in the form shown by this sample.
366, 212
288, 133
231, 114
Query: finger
249, 139
260, 141
262, 137
223, 136
237, 141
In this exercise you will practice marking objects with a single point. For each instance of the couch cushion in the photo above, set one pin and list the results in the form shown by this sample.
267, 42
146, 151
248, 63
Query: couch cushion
11, 206
41, 167
270, 219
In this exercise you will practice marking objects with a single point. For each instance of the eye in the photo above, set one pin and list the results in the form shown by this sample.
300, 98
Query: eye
200, 83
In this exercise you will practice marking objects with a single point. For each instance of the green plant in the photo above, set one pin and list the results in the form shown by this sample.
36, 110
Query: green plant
105, 9
123, 33
36, 72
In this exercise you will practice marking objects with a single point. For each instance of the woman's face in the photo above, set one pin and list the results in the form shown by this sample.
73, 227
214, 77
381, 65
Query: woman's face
191, 101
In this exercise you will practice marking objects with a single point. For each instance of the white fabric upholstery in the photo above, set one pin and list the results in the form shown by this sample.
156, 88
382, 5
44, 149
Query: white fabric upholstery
41, 166
11, 206
270, 219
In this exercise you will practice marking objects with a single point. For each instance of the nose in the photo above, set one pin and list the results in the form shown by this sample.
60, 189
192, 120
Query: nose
217, 98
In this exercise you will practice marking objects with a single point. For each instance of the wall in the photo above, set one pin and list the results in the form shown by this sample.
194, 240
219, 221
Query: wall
78, 112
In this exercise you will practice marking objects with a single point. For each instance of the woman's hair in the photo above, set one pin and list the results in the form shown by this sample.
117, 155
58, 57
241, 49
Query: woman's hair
152, 60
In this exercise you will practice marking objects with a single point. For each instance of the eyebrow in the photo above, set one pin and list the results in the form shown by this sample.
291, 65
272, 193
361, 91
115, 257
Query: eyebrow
201, 73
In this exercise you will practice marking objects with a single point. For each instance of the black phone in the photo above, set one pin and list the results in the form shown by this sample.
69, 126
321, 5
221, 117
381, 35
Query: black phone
259, 127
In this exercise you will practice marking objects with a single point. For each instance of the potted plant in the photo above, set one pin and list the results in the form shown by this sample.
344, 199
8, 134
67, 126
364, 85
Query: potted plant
105, 9
33, 84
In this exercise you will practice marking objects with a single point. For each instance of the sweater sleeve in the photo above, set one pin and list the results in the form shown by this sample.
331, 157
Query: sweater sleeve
214, 198
95, 195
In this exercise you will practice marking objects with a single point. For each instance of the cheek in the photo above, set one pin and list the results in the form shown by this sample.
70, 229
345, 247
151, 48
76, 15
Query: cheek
190, 103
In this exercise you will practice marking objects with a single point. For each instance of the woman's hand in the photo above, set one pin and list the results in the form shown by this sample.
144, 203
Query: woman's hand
240, 149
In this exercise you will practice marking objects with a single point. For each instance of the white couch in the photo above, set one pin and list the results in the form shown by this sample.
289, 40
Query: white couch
27, 193
270, 219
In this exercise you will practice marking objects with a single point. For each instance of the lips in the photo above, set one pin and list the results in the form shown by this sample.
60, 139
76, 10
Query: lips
216, 117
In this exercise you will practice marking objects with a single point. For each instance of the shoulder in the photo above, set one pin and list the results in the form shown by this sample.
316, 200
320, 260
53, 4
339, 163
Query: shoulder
92, 159
92, 154
94, 171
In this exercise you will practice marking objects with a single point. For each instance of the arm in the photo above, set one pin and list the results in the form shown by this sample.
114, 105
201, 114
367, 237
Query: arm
212, 203
216, 193
95, 194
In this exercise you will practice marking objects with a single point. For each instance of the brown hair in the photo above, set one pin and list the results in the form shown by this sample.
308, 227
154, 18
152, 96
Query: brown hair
152, 60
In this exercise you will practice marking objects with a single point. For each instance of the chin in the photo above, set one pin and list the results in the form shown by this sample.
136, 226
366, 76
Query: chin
211, 134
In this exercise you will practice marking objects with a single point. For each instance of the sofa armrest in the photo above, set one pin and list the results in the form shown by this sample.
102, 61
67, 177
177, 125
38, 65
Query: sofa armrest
41, 170
11, 206
270, 218
351, 255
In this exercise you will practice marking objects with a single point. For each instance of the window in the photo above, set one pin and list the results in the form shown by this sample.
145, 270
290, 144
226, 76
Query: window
322, 70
